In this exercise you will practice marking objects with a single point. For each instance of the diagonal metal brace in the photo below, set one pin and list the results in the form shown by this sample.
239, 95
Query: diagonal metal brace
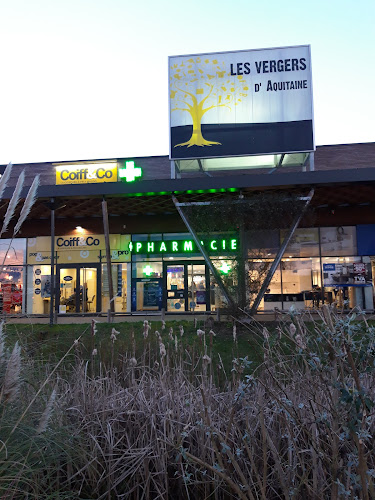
280, 254
206, 257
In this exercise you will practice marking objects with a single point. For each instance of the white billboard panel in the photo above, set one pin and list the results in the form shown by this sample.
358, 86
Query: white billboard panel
241, 103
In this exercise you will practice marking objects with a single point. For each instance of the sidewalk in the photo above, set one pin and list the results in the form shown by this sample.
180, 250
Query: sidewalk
86, 319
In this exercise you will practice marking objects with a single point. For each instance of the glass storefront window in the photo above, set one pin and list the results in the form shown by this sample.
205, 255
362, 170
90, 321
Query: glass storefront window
226, 268
258, 270
197, 287
38, 289
88, 280
147, 269
176, 236
262, 244
11, 289
349, 281
121, 287
188, 287
338, 241
301, 283
305, 243
122, 300
13, 252
146, 285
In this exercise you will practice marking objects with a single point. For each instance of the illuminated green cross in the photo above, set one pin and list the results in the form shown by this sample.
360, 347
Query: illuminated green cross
130, 172
225, 268
147, 270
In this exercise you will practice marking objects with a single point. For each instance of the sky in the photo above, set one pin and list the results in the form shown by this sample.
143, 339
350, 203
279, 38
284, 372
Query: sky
88, 79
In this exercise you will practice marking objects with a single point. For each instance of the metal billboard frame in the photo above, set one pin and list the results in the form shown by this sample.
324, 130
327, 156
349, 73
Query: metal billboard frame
308, 46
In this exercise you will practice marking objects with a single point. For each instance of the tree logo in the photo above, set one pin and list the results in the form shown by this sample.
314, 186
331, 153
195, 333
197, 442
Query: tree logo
198, 85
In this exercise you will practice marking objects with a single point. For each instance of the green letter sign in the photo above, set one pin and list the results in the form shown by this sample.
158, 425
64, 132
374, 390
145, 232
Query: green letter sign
217, 246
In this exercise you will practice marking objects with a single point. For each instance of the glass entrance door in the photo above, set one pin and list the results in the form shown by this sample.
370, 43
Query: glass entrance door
69, 301
186, 287
78, 289
88, 288
197, 291
176, 287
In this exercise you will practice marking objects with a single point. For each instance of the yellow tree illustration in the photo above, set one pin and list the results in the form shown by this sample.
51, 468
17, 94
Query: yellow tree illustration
198, 85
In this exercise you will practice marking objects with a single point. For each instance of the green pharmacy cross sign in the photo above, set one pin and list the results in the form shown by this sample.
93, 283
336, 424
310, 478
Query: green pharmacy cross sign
148, 270
130, 172
225, 268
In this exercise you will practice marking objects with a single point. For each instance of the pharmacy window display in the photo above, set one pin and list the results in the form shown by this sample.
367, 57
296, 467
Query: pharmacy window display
147, 285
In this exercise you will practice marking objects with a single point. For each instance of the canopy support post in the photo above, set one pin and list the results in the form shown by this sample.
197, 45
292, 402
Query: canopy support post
280, 254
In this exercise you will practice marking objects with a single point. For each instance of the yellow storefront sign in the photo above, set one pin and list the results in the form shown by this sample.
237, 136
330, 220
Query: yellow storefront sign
78, 249
86, 173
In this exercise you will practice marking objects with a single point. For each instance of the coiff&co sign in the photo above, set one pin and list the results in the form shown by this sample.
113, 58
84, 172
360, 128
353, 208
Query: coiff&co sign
78, 249
241, 103
86, 173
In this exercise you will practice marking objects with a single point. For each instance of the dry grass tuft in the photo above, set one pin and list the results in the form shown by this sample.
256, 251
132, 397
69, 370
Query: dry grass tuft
159, 425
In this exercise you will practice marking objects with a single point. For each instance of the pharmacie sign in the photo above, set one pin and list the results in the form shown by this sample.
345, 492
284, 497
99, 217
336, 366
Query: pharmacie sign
86, 173
241, 103
214, 245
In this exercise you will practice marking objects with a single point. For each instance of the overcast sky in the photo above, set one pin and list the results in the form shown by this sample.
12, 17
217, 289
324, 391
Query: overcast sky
85, 79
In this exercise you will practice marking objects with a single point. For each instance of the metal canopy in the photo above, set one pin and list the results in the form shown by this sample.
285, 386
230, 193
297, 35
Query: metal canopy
90, 206
271, 162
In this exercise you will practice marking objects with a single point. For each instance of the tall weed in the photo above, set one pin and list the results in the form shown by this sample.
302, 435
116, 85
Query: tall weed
165, 419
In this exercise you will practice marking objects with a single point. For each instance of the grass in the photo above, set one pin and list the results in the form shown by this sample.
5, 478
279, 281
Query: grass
50, 343
147, 418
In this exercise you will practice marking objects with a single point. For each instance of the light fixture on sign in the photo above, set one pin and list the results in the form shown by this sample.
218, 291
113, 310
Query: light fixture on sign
79, 229
225, 268
148, 270
130, 172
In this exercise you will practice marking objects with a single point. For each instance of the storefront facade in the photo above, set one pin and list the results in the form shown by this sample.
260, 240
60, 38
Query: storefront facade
150, 273
164, 271
155, 261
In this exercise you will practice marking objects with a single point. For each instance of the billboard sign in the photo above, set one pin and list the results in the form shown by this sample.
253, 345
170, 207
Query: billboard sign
241, 103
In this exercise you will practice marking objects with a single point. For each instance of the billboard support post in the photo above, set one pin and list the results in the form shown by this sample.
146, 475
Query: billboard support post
205, 255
